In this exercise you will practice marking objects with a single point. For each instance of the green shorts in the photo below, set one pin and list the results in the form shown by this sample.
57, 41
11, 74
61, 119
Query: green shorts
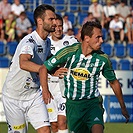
83, 114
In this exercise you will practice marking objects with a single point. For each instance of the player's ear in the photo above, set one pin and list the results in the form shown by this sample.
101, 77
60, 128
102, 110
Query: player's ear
39, 21
87, 38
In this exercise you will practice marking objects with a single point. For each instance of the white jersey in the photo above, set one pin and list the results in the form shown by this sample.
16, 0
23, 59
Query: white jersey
65, 41
55, 47
21, 84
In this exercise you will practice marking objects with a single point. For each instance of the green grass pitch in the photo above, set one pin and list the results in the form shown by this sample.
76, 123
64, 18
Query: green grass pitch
109, 128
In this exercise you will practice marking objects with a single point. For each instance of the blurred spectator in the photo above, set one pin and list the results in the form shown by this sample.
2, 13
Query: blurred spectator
5, 9
115, 2
116, 29
132, 11
70, 32
67, 24
97, 10
109, 11
17, 8
123, 10
2, 33
10, 24
1, 21
129, 28
22, 23
89, 17
78, 35
29, 30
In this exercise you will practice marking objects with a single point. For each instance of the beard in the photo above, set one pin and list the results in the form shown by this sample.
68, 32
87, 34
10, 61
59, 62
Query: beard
52, 30
49, 28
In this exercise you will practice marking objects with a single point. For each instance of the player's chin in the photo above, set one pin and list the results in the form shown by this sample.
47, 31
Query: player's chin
52, 29
98, 48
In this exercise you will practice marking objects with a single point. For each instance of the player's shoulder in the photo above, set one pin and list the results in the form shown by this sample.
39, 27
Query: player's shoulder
73, 47
68, 51
30, 39
68, 40
66, 37
101, 55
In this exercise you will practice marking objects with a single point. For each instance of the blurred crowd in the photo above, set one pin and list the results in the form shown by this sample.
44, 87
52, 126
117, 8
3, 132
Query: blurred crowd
115, 16
14, 24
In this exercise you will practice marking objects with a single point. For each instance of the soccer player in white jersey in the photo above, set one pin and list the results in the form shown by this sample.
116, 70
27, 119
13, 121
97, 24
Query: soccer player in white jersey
21, 94
56, 108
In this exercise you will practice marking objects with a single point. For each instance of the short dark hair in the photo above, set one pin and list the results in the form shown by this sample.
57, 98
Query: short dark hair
89, 13
124, 1
22, 14
58, 17
66, 14
40, 11
88, 27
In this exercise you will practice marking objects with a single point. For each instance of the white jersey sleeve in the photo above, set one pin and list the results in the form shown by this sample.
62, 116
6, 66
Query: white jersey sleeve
27, 50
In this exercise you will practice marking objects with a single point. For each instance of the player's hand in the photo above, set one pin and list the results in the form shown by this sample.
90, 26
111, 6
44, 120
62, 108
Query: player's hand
125, 114
61, 72
47, 96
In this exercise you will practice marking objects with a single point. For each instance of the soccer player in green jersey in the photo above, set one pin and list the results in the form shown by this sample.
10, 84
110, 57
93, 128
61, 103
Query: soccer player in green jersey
84, 62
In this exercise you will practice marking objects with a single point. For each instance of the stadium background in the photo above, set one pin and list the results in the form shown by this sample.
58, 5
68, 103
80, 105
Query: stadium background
121, 57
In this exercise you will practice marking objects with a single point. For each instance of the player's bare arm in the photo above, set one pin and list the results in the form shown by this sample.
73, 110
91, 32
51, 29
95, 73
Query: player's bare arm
26, 64
44, 83
115, 85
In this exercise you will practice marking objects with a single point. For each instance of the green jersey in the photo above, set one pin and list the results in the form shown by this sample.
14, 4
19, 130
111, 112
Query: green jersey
81, 81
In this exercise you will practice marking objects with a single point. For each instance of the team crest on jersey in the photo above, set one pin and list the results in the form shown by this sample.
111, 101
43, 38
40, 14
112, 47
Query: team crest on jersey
80, 73
53, 60
65, 43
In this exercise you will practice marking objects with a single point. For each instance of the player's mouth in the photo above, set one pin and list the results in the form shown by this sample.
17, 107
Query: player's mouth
58, 33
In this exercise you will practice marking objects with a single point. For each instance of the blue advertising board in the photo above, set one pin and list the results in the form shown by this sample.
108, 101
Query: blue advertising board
113, 110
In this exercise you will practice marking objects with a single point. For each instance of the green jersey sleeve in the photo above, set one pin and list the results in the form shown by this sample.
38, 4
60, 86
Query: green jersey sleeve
61, 56
108, 71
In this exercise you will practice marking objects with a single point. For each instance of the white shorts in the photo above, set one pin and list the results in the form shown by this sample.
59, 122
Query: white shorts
56, 107
19, 113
